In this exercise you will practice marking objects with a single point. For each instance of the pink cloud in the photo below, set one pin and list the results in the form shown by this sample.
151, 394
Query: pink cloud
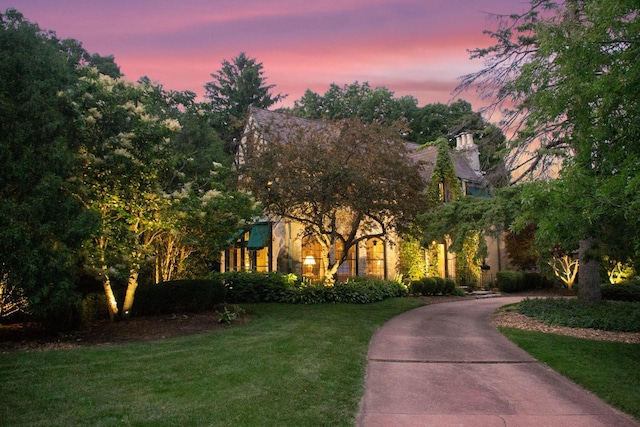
412, 47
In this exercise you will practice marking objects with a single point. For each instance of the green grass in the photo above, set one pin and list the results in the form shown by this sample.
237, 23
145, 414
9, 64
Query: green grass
293, 365
610, 370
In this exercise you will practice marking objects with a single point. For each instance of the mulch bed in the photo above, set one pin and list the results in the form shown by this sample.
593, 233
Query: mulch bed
29, 337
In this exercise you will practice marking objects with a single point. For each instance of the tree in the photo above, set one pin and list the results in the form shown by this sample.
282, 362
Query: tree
240, 83
123, 146
425, 124
344, 182
570, 73
205, 209
41, 224
355, 100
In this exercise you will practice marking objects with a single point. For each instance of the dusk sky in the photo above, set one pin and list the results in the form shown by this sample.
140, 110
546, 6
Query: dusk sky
411, 47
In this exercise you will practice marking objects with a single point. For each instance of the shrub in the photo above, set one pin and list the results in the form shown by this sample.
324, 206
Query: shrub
449, 286
246, 287
510, 281
458, 292
609, 316
624, 291
425, 286
94, 307
178, 296
440, 285
249, 287
532, 280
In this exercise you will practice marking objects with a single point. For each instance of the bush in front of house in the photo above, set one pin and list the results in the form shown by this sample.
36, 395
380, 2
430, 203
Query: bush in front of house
432, 286
424, 286
625, 291
179, 296
251, 287
449, 286
510, 281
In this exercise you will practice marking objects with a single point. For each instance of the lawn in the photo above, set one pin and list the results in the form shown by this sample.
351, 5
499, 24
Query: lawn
292, 365
611, 370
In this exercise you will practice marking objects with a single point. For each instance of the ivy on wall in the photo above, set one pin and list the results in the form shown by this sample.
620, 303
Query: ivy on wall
445, 185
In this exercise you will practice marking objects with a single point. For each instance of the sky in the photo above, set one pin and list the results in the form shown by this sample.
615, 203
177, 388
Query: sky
411, 47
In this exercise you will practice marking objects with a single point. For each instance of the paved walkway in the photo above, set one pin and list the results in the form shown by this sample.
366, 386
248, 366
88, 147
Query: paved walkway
446, 365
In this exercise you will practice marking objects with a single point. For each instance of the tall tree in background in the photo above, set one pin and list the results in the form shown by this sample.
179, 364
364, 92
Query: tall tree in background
570, 78
240, 83
355, 100
425, 124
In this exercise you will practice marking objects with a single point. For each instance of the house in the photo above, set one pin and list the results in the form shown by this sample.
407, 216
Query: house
278, 244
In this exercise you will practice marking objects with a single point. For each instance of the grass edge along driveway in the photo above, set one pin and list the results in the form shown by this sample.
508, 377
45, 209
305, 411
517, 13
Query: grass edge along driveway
291, 365
610, 370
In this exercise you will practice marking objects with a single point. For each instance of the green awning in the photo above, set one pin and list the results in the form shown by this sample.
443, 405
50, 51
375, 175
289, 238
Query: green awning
258, 237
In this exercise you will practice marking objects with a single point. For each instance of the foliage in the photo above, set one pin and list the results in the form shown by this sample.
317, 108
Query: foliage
344, 182
521, 249
510, 281
444, 185
423, 286
433, 286
229, 316
251, 287
608, 316
355, 101
411, 258
625, 291
179, 296
41, 224
425, 124
292, 365
240, 83
610, 370
570, 77
469, 261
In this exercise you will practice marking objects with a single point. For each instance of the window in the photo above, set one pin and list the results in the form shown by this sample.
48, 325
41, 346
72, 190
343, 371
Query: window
375, 258
250, 251
348, 267
312, 262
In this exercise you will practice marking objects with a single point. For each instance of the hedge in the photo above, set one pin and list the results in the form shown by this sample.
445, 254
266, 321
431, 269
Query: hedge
625, 291
432, 286
510, 281
179, 296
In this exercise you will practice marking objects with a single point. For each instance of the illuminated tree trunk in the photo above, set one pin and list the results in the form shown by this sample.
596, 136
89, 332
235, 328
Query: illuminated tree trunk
132, 285
112, 304
589, 290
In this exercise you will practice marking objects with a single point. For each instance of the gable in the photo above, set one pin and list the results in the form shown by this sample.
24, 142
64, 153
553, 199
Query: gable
428, 157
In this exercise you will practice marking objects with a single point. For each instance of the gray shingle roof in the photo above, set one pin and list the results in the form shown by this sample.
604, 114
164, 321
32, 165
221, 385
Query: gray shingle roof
428, 157
284, 126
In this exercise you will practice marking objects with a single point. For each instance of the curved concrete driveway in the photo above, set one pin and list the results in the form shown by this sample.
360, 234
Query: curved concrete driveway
446, 365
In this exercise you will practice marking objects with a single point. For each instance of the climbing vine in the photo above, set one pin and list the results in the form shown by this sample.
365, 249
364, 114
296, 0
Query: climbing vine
444, 185
411, 260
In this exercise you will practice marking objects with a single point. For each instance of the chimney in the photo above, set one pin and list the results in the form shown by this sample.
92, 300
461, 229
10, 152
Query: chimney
465, 144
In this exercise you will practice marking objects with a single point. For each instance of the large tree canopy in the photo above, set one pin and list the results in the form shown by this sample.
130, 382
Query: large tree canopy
41, 224
570, 77
345, 182
101, 176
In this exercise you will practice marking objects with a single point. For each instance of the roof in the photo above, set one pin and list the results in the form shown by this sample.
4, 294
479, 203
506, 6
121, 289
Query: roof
284, 126
428, 157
